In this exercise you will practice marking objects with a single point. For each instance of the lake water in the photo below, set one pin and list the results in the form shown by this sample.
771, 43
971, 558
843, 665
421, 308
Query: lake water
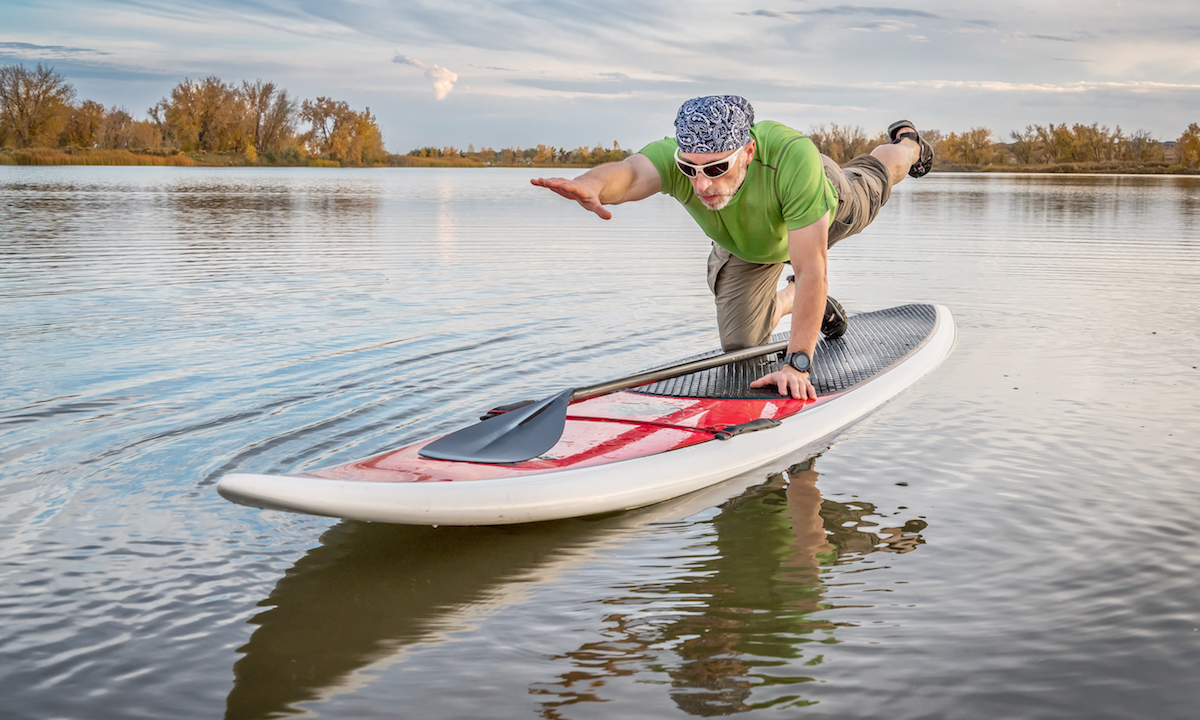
1017, 536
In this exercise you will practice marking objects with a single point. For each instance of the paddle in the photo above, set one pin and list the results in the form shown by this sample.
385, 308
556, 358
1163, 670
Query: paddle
530, 430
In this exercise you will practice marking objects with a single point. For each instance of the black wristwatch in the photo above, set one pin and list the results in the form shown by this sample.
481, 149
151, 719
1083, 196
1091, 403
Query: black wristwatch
799, 360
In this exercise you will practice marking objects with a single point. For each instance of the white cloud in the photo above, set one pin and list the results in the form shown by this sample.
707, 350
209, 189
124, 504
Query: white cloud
776, 14
1060, 88
46, 52
443, 79
883, 26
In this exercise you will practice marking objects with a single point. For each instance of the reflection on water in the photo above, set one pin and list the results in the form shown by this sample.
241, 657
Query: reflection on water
743, 614
369, 591
753, 596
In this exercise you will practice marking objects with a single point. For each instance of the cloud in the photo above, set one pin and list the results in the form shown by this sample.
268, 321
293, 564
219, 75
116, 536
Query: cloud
46, 51
889, 26
1056, 38
777, 14
840, 10
863, 10
1070, 88
609, 84
443, 79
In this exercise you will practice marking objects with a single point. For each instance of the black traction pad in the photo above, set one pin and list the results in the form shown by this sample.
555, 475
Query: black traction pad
874, 342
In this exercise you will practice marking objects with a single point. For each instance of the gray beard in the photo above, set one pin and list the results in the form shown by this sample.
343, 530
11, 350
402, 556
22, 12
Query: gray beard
724, 200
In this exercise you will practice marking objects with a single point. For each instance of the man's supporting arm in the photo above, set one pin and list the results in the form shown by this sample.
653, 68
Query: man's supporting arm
631, 179
808, 248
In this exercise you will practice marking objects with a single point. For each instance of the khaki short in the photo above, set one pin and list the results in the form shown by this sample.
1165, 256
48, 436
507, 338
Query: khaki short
745, 291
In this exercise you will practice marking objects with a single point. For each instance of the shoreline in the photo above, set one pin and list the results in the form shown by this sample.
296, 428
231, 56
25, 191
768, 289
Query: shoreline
80, 156
116, 158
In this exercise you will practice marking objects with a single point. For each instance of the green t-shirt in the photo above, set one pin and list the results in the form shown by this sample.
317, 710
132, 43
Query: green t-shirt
785, 189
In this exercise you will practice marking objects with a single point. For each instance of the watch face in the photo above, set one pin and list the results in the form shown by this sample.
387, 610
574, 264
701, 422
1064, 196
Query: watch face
801, 361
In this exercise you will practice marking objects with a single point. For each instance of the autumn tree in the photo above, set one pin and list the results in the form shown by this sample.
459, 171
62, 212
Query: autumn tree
33, 104
973, 147
270, 114
1025, 145
1093, 143
840, 142
117, 131
1188, 147
1142, 147
120, 131
1053, 142
596, 155
336, 132
83, 125
199, 115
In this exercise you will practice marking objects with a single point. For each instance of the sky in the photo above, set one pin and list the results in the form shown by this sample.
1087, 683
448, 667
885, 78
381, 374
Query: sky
515, 73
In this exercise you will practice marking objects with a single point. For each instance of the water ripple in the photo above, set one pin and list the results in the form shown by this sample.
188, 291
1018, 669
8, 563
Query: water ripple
1013, 537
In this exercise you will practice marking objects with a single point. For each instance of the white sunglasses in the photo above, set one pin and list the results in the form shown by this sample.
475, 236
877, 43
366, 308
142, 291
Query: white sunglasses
714, 169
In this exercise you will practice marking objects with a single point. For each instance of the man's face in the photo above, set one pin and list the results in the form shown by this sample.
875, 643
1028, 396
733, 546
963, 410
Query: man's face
716, 193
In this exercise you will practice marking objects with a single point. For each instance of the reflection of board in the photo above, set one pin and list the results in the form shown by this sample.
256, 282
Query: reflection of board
635, 447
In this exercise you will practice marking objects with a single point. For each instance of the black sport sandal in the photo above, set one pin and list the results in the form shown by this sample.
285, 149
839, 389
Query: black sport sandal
834, 322
921, 167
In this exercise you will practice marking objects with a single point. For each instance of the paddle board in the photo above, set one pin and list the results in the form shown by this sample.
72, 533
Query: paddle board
634, 447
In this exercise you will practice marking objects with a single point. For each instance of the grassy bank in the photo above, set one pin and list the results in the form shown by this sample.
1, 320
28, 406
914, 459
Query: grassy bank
50, 156
1096, 168
88, 156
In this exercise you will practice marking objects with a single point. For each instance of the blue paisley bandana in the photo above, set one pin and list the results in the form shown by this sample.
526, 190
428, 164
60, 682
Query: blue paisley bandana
713, 124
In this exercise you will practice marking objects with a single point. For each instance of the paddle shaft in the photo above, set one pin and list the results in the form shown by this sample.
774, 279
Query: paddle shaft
673, 371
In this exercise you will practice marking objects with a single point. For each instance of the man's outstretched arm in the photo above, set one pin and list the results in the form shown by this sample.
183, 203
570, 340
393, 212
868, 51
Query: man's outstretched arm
631, 179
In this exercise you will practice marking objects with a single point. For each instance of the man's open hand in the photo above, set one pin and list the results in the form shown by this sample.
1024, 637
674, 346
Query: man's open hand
789, 381
582, 193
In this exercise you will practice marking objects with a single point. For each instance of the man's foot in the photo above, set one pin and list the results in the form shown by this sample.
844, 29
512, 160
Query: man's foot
834, 321
904, 129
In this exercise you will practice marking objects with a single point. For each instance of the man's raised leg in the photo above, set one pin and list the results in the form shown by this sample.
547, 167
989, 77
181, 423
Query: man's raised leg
904, 152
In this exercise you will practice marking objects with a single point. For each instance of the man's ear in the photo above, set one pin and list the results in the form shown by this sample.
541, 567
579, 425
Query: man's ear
749, 153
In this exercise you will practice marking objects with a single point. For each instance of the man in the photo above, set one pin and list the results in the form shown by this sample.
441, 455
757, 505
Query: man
765, 196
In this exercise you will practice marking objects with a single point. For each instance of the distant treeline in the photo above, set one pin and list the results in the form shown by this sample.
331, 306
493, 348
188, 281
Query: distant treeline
257, 122
540, 155
1077, 148
211, 122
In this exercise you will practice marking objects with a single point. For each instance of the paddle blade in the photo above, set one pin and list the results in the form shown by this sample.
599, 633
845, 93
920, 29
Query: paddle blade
512, 437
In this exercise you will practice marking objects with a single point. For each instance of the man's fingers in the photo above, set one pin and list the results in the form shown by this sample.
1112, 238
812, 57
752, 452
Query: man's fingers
574, 191
597, 208
788, 384
778, 379
558, 185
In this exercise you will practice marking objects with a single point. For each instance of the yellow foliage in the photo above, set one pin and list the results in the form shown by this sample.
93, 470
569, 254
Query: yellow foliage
52, 156
342, 135
1187, 147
